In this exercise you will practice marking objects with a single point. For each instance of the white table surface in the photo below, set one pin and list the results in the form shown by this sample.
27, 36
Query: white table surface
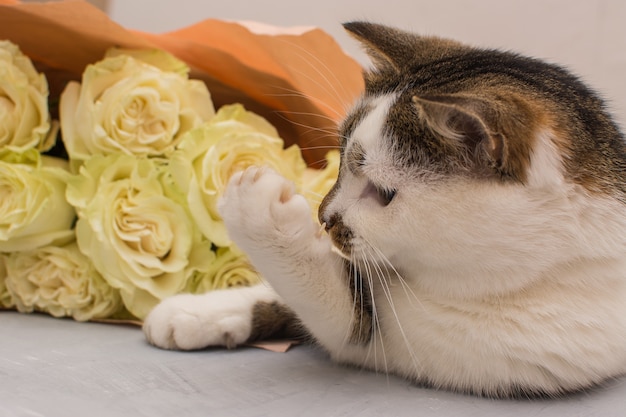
60, 368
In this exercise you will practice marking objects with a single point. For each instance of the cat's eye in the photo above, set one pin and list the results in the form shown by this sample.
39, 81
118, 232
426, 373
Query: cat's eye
386, 195
383, 195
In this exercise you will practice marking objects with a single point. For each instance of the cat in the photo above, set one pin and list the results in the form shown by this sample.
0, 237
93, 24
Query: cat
475, 239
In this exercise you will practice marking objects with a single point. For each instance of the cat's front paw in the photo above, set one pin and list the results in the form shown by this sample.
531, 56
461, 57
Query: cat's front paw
188, 322
260, 207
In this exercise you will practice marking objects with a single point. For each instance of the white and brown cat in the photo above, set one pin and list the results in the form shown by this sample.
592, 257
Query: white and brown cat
476, 236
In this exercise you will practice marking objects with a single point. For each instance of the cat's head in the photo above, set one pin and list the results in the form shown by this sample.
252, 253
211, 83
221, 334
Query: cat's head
460, 163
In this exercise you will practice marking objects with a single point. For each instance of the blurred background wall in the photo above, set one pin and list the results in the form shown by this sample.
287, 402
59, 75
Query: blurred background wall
588, 36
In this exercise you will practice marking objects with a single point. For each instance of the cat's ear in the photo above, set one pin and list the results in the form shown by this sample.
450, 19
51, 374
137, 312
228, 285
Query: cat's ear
394, 49
387, 47
492, 132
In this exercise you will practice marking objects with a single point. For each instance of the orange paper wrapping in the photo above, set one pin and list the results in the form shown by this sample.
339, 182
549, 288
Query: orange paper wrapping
301, 83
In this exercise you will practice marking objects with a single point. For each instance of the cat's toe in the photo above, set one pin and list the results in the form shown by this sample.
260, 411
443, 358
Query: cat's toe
167, 334
170, 326
259, 204
188, 322
158, 331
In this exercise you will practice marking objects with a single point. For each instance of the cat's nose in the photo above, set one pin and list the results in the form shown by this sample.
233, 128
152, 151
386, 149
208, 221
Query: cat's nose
330, 221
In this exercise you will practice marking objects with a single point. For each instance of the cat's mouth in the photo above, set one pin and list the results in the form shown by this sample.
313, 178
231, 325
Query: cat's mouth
340, 235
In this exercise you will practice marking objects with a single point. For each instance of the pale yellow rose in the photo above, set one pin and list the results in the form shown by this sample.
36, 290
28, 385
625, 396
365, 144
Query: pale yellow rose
134, 225
33, 209
231, 268
155, 57
208, 155
317, 183
24, 117
60, 281
125, 104
6, 301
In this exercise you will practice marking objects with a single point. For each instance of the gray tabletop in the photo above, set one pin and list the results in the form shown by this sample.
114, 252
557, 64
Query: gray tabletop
60, 368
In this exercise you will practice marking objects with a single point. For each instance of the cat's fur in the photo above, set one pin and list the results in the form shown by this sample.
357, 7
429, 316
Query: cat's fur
476, 236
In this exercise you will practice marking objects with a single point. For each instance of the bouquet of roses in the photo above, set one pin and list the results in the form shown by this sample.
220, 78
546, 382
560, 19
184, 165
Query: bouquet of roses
129, 217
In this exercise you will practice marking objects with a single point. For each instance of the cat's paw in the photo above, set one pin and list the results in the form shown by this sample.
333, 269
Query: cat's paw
188, 322
260, 207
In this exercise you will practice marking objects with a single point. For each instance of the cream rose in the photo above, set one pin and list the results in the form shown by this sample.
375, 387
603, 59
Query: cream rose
6, 301
207, 156
139, 105
24, 117
231, 268
33, 209
134, 226
60, 281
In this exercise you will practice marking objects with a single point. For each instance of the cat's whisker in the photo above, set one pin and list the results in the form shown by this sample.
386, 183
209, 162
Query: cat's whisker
329, 75
365, 277
353, 275
322, 133
303, 113
298, 94
376, 326
410, 294
324, 161
312, 148
385, 282
351, 323
339, 252
311, 129
284, 113
361, 295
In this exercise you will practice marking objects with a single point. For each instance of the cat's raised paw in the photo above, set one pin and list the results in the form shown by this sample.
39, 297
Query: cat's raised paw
260, 206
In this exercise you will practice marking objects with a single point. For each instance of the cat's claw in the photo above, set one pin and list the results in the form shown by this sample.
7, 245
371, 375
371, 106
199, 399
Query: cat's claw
321, 231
